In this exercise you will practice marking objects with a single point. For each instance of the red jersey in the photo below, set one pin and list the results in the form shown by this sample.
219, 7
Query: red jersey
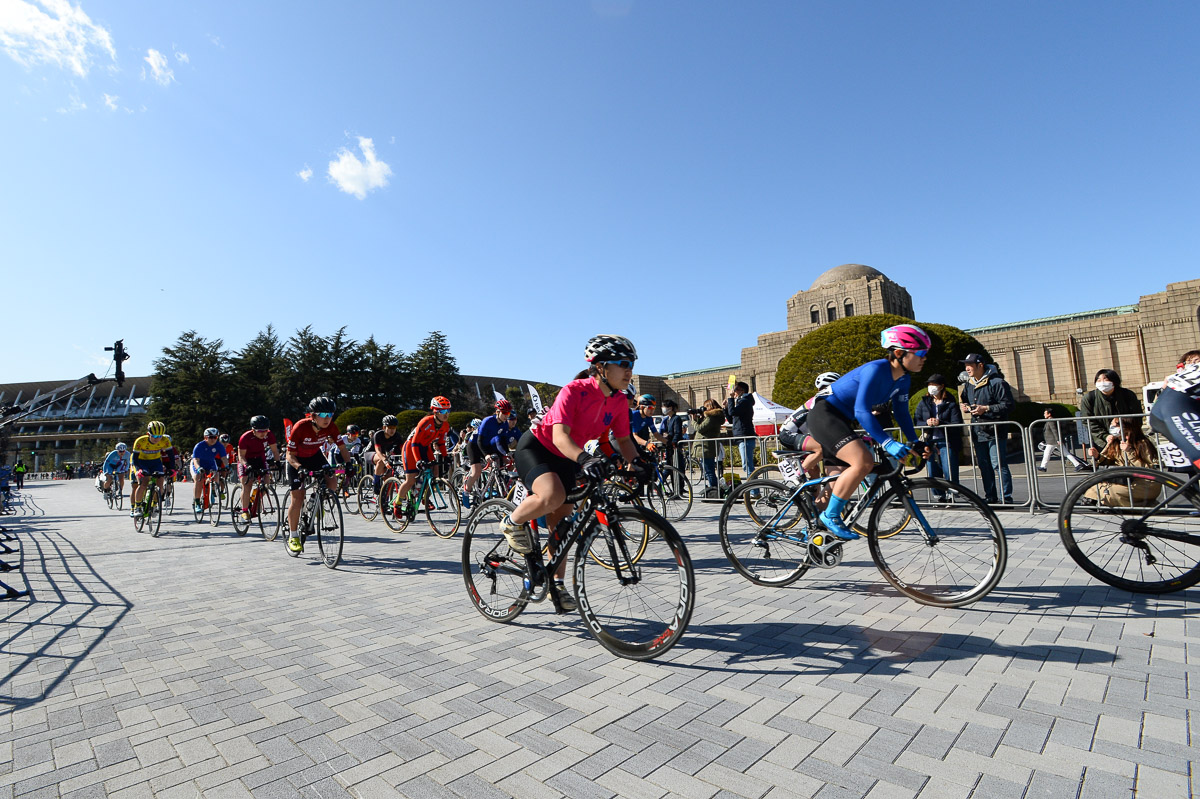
305, 438
256, 448
428, 431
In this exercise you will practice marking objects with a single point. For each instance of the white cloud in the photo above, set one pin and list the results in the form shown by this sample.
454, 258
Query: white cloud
162, 74
75, 106
182, 57
52, 32
305, 174
359, 177
110, 100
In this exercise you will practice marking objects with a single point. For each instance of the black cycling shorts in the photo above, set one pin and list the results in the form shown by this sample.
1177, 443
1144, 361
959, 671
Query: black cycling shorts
1177, 416
474, 453
831, 430
534, 460
311, 463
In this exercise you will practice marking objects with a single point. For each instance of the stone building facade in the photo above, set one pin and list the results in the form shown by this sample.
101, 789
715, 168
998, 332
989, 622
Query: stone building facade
1044, 359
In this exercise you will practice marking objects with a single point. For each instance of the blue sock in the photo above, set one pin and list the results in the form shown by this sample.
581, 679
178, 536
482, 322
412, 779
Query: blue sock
835, 507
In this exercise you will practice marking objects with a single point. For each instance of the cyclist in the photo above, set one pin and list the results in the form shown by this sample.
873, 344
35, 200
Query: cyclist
429, 432
551, 456
831, 420
641, 421
491, 438
116, 464
386, 442
1176, 410
207, 456
149, 454
252, 454
230, 452
793, 433
304, 453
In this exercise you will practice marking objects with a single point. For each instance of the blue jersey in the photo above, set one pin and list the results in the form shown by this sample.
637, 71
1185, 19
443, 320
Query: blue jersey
116, 462
492, 436
639, 425
871, 384
207, 454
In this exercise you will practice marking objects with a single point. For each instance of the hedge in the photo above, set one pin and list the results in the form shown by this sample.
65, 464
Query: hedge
364, 416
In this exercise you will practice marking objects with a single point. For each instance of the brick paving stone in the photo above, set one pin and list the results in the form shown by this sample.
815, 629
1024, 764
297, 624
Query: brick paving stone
835, 687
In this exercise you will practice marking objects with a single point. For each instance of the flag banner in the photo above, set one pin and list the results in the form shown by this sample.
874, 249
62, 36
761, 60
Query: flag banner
535, 398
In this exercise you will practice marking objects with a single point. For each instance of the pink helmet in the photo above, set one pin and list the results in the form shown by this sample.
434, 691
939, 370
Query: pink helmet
905, 337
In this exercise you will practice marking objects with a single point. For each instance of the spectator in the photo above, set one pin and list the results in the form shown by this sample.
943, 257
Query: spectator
671, 429
19, 473
706, 428
935, 410
986, 397
1127, 446
1053, 437
739, 410
1106, 400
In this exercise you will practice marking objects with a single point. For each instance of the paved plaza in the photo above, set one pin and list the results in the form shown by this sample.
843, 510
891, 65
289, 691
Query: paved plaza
203, 664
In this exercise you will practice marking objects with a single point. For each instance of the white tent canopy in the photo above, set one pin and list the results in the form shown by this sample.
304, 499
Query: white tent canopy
768, 413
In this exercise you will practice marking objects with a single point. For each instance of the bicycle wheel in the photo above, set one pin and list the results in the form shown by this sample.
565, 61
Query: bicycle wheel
637, 610
493, 573
353, 504
952, 554
235, 511
108, 498
637, 537
198, 512
269, 514
677, 493
391, 510
119, 499
1114, 544
442, 510
368, 502
765, 539
217, 499
154, 512
331, 530
768, 471
139, 519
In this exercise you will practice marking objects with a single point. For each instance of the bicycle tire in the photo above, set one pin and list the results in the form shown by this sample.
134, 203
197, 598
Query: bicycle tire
119, 499
393, 517
330, 528
1096, 535
270, 513
353, 503
154, 512
637, 538
442, 510
964, 564
198, 513
167, 498
765, 553
240, 526
215, 507
677, 493
368, 501
139, 519
642, 619
109, 499
494, 574
768, 471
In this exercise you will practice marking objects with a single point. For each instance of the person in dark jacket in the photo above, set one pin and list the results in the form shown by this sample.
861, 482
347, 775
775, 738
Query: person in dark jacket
739, 410
987, 398
671, 429
706, 428
1107, 400
936, 409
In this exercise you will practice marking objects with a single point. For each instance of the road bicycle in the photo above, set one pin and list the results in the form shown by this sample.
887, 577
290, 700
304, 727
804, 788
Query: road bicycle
633, 580
1135, 529
168, 493
149, 515
349, 477
114, 497
321, 517
942, 552
434, 494
263, 507
368, 499
212, 497
497, 480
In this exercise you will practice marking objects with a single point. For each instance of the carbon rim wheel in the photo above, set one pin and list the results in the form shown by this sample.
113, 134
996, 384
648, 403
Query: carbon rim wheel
154, 514
636, 610
235, 512
765, 539
960, 566
442, 510
330, 529
368, 503
393, 516
1100, 525
494, 574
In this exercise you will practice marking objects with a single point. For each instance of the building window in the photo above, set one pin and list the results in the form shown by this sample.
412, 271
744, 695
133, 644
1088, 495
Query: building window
848, 308
830, 312
814, 315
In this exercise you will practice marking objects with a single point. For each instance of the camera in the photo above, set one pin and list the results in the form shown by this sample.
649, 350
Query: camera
695, 411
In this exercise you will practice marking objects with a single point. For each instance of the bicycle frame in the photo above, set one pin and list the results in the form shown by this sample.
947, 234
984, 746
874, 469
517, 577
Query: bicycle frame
1169, 535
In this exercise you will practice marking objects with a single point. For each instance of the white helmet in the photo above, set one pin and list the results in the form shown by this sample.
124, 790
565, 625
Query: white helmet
827, 379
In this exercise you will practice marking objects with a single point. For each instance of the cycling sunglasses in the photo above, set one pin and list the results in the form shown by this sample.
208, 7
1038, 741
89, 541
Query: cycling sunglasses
153, 437
623, 364
323, 415
919, 353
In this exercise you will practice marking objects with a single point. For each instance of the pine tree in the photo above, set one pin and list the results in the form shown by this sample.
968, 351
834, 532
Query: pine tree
434, 371
193, 388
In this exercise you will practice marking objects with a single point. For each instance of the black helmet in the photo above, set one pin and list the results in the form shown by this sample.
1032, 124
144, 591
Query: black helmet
224, 438
260, 422
609, 347
390, 421
322, 405
352, 429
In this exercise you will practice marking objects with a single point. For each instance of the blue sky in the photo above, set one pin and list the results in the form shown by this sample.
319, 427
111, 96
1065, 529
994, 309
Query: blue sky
522, 175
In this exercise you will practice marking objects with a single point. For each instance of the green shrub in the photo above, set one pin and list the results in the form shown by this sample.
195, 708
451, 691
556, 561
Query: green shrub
364, 416
460, 419
407, 420
850, 342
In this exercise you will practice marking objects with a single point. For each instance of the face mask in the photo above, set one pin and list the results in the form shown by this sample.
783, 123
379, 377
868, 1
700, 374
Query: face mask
1104, 386
935, 390
1114, 430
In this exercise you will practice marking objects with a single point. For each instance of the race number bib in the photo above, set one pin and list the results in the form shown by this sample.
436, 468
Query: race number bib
791, 471
519, 493
1171, 456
